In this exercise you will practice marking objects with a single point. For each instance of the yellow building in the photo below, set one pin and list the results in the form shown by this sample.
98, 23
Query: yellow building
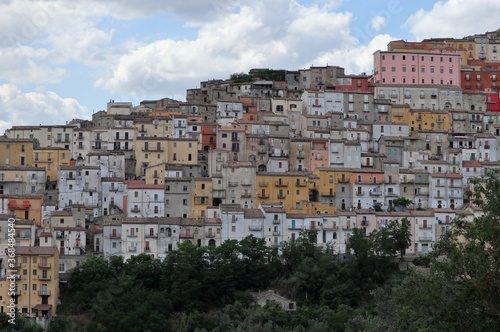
16, 152
153, 126
182, 151
290, 188
36, 281
50, 159
155, 174
27, 207
428, 120
400, 113
324, 189
201, 197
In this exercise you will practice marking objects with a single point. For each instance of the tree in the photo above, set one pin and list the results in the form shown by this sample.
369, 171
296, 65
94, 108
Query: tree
400, 234
402, 203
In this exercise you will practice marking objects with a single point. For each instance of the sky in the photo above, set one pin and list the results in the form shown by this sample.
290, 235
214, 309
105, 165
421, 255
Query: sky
65, 59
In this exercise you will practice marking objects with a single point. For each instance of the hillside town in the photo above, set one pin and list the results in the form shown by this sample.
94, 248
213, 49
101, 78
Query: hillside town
269, 153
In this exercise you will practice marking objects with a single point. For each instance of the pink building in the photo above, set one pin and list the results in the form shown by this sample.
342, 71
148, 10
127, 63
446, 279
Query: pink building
416, 68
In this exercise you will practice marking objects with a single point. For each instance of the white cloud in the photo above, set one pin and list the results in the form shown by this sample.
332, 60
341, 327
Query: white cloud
278, 34
454, 18
356, 59
19, 108
378, 22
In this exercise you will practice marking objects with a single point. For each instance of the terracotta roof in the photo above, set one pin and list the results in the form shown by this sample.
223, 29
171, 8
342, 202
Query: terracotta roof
253, 213
36, 250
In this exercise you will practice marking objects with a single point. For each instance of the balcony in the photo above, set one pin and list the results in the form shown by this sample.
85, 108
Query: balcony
346, 227
487, 147
151, 235
263, 184
328, 194
255, 228
263, 195
281, 196
301, 155
333, 228
343, 180
44, 292
425, 239
425, 226
262, 150
133, 249
375, 193
219, 193
246, 195
276, 233
115, 236
360, 193
147, 249
132, 235
186, 235
44, 265
210, 235
276, 221
232, 184
46, 277
88, 189
281, 184
201, 200
301, 184
135, 210
61, 140
246, 184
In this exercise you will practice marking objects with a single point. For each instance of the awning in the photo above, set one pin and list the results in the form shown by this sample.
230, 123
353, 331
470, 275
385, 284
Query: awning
43, 307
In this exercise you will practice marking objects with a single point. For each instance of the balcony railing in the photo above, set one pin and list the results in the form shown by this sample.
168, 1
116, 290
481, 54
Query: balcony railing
281, 184
42, 277
185, 235
263, 184
45, 265
246, 195
276, 233
151, 235
115, 236
263, 195
233, 183
360, 193
210, 235
135, 210
425, 226
276, 221
132, 235
44, 293
425, 239
255, 228
333, 228
375, 193
281, 196
133, 249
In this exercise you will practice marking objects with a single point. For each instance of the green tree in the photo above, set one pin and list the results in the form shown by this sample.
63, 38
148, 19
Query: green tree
402, 203
399, 233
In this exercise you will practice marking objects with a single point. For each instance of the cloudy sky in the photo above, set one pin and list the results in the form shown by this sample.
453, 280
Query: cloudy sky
65, 59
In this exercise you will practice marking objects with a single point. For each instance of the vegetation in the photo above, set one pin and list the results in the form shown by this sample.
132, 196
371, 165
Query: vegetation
258, 74
209, 289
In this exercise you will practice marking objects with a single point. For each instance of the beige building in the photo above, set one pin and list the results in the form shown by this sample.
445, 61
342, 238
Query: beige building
36, 280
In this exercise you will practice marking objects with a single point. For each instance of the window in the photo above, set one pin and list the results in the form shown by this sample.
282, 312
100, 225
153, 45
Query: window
61, 267
185, 202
